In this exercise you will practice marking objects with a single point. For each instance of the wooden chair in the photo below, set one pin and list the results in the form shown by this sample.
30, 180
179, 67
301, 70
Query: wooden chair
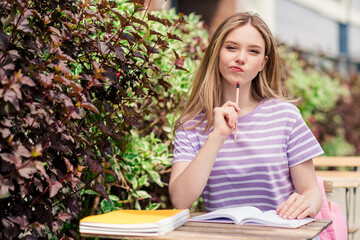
342, 172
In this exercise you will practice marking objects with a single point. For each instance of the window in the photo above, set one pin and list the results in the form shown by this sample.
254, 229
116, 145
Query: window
343, 41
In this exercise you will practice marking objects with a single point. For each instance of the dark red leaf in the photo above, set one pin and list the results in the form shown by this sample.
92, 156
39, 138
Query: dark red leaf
136, 20
159, 20
132, 120
20, 220
27, 170
11, 158
9, 230
137, 54
54, 185
69, 166
128, 38
180, 68
123, 18
55, 40
54, 226
63, 67
10, 96
38, 184
22, 151
4, 40
176, 54
119, 52
111, 172
93, 164
100, 189
89, 106
74, 17
40, 167
76, 87
72, 205
63, 216
5, 186
5, 132
14, 54
25, 27
61, 55
152, 32
27, 81
46, 80
141, 2
10, 66
173, 36
55, 31
3, 78
6, 123
62, 79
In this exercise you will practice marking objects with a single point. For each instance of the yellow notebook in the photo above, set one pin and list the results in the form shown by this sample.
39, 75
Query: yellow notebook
133, 222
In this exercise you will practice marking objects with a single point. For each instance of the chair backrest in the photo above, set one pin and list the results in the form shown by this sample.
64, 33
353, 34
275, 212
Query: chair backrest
328, 186
346, 161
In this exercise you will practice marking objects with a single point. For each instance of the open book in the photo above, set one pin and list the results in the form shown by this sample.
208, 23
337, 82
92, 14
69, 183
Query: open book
250, 216
133, 223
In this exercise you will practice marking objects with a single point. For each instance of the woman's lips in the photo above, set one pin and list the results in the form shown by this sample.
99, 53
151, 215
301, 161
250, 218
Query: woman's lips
236, 69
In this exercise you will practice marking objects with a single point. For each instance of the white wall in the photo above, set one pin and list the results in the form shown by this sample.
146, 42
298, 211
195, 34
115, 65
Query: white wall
313, 25
354, 42
299, 25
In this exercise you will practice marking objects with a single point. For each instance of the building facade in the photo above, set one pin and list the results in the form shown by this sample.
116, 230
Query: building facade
329, 27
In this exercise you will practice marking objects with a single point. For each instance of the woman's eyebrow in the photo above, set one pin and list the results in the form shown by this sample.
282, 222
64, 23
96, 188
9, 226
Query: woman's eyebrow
236, 43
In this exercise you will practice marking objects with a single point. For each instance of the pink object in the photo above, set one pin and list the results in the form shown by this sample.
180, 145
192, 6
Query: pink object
331, 210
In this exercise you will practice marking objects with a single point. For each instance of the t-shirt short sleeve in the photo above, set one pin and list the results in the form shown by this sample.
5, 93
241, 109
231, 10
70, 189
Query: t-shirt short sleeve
183, 149
302, 144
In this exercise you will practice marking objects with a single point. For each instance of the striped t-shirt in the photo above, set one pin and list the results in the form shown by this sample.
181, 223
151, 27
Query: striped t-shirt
254, 168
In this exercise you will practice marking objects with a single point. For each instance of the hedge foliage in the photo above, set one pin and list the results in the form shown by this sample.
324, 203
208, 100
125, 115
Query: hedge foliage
76, 78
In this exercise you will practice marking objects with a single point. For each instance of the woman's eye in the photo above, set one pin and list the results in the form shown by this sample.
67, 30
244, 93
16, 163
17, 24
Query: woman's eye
254, 51
230, 47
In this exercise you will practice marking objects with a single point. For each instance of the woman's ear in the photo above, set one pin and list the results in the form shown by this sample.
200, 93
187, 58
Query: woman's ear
263, 63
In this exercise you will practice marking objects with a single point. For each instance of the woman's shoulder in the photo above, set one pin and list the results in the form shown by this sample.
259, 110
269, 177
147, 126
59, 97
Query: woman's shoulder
189, 124
278, 107
279, 104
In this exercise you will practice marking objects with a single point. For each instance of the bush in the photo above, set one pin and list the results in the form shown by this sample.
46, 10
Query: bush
75, 79
319, 93
348, 109
149, 146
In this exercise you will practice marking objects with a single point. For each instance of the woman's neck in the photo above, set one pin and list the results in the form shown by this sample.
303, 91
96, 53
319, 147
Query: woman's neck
246, 101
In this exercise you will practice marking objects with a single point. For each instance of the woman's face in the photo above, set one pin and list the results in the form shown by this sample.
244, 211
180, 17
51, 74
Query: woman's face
242, 56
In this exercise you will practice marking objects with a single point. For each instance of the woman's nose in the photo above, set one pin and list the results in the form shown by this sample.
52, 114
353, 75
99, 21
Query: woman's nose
241, 58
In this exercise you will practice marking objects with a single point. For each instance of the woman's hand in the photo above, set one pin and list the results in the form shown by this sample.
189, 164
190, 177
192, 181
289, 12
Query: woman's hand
296, 207
225, 119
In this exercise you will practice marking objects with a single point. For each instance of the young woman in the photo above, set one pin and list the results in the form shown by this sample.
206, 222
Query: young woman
269, 163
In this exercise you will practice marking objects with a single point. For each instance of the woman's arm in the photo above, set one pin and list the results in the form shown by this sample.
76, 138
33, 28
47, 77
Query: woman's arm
307, 199
188, 179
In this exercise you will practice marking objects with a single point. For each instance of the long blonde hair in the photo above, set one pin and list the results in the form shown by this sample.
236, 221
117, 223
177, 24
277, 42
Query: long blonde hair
206, 89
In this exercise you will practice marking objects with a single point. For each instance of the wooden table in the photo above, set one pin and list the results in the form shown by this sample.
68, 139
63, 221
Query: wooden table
212, 231
341, 179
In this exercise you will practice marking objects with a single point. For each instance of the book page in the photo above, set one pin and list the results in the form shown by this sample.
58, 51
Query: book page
227, 215
271, 218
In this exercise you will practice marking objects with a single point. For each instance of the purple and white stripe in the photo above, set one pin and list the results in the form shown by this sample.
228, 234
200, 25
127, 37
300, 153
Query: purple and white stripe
254, 169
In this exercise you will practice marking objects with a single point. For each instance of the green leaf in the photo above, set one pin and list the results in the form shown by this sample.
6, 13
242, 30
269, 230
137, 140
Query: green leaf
143, 194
